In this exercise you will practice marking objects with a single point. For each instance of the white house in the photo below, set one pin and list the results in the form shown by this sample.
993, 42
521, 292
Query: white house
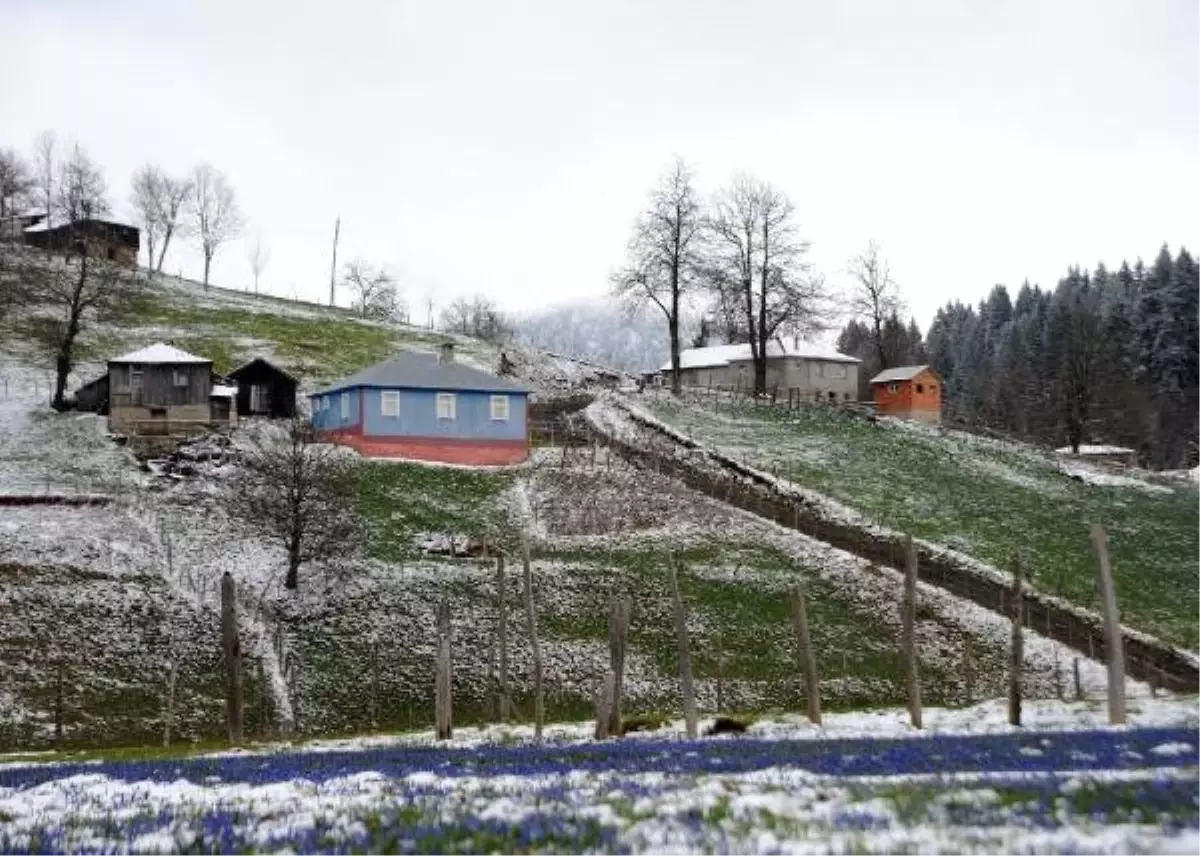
820, 373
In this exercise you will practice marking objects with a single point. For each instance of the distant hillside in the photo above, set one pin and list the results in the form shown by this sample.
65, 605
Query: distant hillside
600, 331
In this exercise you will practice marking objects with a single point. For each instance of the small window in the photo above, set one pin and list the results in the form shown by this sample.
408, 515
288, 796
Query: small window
180, 378
389, 402
345, 405
446, 405
893, 387
933, 387
499, 408
135, 378
920, 387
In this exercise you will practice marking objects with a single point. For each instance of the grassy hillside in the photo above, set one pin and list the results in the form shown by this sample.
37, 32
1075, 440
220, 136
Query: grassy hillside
983, 499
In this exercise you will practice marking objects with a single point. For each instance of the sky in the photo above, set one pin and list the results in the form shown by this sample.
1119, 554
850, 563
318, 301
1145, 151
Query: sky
505, 148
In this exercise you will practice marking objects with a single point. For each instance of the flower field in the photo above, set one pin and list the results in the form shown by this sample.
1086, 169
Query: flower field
1111, 790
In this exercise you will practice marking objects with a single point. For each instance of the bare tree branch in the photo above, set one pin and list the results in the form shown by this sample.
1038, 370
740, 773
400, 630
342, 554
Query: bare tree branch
875, 296
374, 290
258, 254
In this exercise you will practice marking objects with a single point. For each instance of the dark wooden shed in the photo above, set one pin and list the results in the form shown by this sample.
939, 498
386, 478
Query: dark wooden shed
264, 390
92, 397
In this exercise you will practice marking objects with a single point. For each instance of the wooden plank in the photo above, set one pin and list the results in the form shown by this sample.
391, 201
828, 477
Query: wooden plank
686, 685
1112, 628
531, 620
805, 661
909, 638
232, 650
1016, 658
443, 687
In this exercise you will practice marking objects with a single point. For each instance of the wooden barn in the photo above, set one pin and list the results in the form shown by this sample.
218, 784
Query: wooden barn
92, 397
102, 239
264, 390
908, 392
161, 390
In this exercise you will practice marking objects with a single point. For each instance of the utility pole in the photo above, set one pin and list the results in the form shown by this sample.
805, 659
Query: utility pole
337, 228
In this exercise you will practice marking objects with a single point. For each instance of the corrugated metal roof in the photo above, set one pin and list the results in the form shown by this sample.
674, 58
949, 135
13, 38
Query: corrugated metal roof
159, 353
898, 373
415, 370
723, 355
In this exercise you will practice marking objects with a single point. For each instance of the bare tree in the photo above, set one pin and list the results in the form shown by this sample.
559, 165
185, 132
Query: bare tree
875, 295
258, 254
73, 294
146, 198
82, 191
16, 181
215, 212
374, 289
477, 316
664, 253
45, 147
298, 492
756, 257
177, 194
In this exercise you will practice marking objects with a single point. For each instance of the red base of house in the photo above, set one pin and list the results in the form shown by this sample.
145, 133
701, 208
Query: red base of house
480, 453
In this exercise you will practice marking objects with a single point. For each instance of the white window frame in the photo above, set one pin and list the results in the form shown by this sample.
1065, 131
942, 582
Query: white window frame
447, 406
345, 406
497, 404
893, 387
389, 403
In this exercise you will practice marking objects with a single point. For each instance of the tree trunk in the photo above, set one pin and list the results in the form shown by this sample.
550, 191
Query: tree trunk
162, 253
207, 264
292, 580
231, 646
66, 347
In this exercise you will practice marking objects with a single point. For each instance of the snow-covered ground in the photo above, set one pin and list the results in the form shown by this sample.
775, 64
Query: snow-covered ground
967, 785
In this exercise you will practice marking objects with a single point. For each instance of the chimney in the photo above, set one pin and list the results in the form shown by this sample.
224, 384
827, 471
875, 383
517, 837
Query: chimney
446, 354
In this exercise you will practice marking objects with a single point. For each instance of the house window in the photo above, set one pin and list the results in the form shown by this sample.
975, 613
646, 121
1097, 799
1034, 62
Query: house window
835, 372
180, 378
389, 402
499, 408
920, 387
135, 378
345, 406
845, 396
446, 405
893, 387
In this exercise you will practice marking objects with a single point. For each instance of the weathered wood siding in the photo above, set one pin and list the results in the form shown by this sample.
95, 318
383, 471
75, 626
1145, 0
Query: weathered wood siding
158, 384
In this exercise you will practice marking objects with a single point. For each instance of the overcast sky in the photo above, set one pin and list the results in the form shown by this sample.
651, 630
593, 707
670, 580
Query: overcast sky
505, 147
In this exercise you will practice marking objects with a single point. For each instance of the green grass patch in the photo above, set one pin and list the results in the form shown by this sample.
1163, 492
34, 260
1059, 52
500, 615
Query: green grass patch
989, 502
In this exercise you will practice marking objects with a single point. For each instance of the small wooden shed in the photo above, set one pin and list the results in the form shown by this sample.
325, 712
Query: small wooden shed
264, 390
908, 392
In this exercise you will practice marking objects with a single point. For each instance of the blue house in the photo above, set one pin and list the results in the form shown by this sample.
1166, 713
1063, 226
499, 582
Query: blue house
428, 407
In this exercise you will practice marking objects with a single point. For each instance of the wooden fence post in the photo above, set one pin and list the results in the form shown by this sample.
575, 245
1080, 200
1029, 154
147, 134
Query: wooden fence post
804, 655
444, 684
969, 671
1112, 629
604, 703
1016, 658
502, 638
169, 703
719, 643
374, 699
687, 687
618, 633
909, 637
232, 648
1078, 681
531, 618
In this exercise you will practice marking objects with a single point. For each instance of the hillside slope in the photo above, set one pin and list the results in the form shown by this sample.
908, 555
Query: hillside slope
985, 499
112, 603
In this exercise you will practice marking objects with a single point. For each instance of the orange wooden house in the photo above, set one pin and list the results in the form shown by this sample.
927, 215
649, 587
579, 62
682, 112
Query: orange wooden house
909, 392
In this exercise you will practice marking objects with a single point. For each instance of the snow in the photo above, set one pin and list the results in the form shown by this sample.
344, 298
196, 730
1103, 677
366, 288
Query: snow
1102, 479
159, 352
723, 355
1096, 450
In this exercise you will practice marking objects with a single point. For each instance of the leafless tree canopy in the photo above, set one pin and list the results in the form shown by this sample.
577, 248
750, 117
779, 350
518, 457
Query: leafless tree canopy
81, 190
45, 147
875, 296
161, 205
299, 493
664, 254
756, 261
477, 316
374, 290
258, 254
68, 297
215, 212
16, 182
